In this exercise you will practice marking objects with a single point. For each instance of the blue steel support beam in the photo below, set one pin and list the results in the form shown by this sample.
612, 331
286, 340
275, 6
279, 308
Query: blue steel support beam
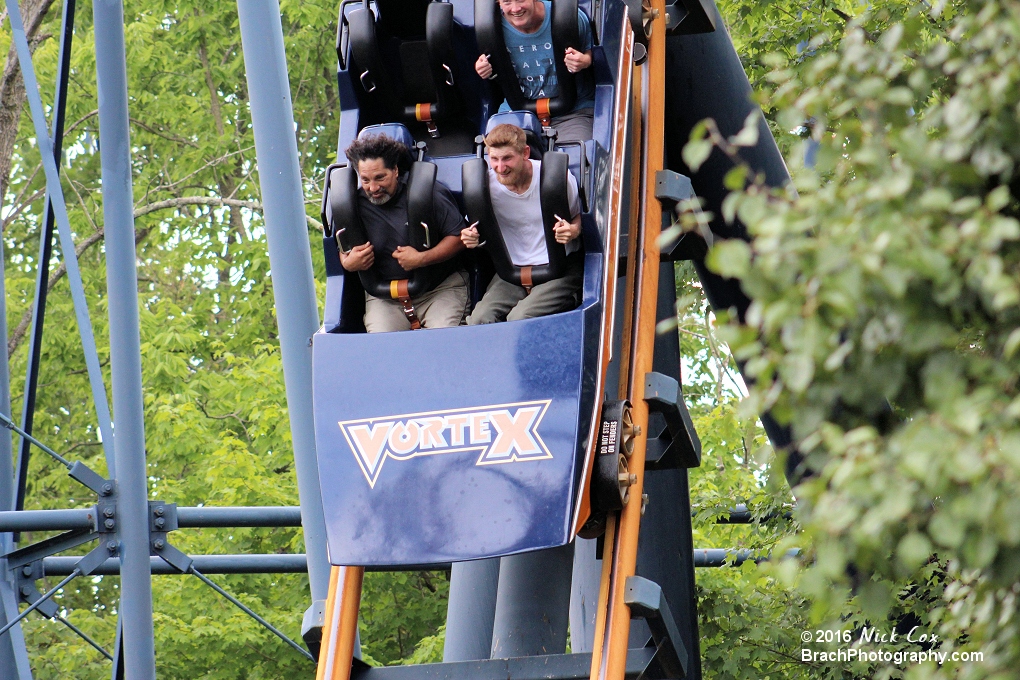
10, 645
707, 80
55, 195
204, 517
290, 256
45, 253
532, 603
584, 595
13, 656
471, 610
62, 565
125, 343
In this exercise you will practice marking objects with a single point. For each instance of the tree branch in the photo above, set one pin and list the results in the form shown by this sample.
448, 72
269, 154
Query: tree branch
847, 19
161, 133
182, 201
19, 332
74, 126
95, 237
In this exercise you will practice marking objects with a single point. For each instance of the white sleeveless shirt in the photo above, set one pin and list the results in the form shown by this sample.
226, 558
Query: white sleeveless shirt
520, 218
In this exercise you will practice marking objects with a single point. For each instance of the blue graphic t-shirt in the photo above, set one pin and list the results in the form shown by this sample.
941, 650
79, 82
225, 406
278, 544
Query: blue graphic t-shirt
532, 57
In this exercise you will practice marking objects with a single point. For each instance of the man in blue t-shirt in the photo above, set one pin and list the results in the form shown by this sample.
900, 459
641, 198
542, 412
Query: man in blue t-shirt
527, 32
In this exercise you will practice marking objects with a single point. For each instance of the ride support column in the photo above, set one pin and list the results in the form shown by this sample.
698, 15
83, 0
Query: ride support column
297, 312
471, 610
132, 486
533, 603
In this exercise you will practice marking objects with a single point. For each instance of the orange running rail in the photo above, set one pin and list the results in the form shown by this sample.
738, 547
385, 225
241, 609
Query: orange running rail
613, 619
340, 630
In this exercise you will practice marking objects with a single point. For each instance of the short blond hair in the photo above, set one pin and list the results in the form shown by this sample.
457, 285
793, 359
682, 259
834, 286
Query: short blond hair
506, 135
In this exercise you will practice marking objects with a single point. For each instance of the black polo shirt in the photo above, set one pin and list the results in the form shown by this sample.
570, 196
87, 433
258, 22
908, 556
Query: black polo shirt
386, 228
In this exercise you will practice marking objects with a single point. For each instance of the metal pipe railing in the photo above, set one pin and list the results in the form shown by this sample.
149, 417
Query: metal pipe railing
187, 518
207, 564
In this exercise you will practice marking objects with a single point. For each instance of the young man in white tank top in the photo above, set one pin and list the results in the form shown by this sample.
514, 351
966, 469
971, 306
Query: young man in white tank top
516, 203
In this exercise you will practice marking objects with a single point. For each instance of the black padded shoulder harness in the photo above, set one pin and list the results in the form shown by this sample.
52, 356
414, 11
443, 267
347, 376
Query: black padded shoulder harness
489, 33
433, 76
555, 201
345, 225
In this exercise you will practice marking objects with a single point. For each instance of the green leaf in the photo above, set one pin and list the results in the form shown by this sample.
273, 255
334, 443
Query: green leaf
730, 257
696, 152
748, 135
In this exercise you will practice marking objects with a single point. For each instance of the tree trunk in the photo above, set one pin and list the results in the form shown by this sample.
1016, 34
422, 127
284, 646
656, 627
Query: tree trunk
12, 88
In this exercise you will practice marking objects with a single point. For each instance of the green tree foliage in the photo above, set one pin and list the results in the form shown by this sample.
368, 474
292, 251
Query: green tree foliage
884, 327
749, 621
216, 420
884, 331
215, 409
401, 615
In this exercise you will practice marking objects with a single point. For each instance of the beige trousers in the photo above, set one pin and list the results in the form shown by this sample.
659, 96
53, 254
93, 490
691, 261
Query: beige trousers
506, 302
442, 307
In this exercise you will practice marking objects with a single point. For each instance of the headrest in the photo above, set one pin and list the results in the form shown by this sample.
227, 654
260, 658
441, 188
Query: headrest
404, 19
394, 131
526, 121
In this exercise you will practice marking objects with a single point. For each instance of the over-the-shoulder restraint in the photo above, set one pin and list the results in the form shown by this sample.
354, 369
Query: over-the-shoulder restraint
555, 197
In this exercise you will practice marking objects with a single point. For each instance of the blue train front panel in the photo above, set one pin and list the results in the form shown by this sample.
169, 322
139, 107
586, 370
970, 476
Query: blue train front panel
449, 444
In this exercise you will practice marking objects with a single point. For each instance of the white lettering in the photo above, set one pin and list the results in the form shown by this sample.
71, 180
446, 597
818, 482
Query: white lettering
514, 427
404, 438
480, 428
456, 425
432, 433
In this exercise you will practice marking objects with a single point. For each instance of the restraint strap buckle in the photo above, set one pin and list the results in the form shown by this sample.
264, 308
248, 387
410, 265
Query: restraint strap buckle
542, 111
527, 282
423, 112
398, 291
412, 316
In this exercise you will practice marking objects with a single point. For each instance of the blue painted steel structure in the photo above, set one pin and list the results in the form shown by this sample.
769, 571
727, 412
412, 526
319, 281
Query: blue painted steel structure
293, 281
544, 415
464, 505
448, 502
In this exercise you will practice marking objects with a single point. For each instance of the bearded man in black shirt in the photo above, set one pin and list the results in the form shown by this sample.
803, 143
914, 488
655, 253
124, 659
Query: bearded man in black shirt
382, 203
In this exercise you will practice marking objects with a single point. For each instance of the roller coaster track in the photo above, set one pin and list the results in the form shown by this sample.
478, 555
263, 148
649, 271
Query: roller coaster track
647, 106
639, 319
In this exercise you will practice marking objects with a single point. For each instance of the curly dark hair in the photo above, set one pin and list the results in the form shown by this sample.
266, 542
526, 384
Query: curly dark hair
394, 154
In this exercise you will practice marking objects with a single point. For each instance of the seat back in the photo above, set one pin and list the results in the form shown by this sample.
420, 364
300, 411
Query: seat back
423, 89
555, 201
341, 219
366, 61
526, 121
489, 33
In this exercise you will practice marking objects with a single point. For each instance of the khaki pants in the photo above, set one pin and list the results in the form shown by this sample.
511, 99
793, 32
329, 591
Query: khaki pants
442, 307
506, 302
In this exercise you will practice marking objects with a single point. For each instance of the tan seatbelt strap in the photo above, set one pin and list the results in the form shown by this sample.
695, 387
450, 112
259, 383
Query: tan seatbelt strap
398, 291
526, 281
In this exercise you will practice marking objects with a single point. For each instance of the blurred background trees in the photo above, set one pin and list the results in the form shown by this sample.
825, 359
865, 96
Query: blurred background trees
885, 331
